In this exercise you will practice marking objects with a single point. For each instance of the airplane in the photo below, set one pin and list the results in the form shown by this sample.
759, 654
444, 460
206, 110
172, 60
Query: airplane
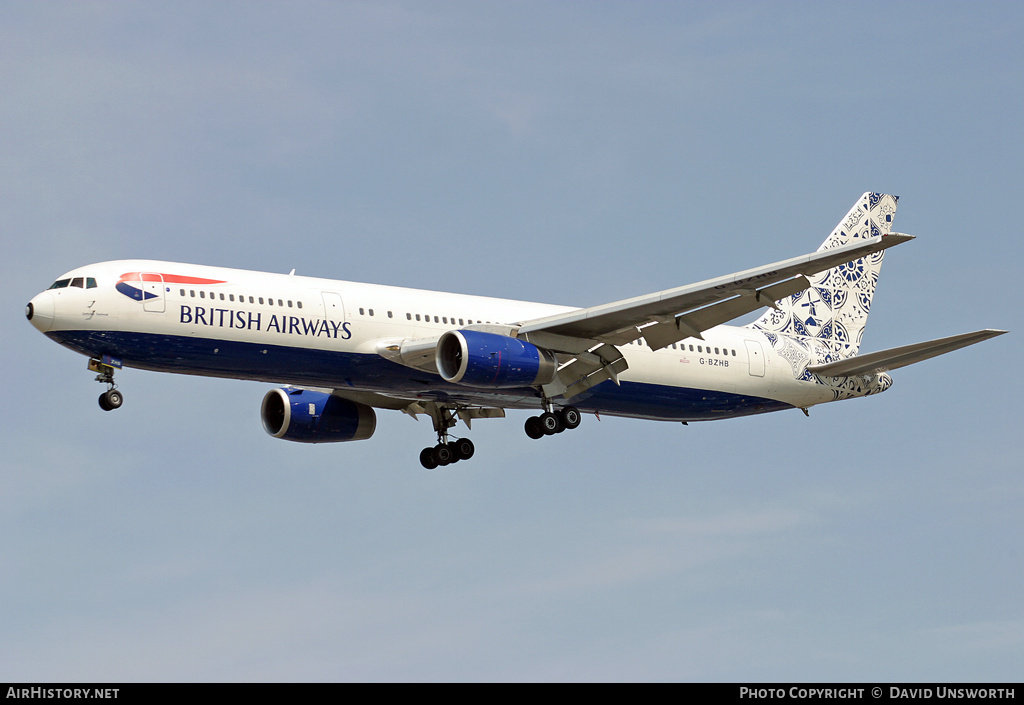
343, 349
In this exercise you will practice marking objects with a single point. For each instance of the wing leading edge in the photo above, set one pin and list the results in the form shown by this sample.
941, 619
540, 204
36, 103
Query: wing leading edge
665, 317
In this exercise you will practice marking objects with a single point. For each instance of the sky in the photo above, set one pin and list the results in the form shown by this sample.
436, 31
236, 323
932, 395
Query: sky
574, 153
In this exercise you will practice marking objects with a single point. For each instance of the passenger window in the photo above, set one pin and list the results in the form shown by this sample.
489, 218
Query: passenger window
371, 311
408, 316
361, 312
270, 302
289, 303
183, 292
280, 302
417, 316
299, 304
202, 294
389, 315
261, 300
716, 351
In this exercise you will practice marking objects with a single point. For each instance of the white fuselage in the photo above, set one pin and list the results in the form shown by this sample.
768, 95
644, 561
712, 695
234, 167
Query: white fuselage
284, 329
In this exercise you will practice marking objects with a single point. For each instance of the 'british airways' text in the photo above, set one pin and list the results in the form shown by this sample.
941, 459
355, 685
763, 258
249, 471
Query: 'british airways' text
287, 325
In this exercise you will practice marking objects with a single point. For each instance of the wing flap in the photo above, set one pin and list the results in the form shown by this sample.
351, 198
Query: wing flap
894, 358
586, 369
594, 376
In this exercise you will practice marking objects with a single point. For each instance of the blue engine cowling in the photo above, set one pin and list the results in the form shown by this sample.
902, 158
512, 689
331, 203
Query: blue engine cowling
314, 417
479, 359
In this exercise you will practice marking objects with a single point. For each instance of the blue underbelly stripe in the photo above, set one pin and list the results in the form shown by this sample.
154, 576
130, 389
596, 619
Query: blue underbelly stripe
276, 364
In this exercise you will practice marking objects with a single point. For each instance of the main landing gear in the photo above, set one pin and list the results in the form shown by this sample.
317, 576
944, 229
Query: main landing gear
552, 422
110, 399
448, 450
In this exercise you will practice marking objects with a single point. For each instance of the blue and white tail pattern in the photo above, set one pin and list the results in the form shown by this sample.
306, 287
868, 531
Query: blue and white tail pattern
827, 320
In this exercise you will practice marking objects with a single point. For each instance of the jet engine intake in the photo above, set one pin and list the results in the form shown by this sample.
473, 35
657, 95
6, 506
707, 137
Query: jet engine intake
306, 416
478, 359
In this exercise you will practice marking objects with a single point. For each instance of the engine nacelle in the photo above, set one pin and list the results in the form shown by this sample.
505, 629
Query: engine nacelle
314, 417
478, 359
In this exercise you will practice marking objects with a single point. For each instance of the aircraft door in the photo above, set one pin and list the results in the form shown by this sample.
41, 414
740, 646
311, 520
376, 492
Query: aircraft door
334, 309
152, 292
755, 355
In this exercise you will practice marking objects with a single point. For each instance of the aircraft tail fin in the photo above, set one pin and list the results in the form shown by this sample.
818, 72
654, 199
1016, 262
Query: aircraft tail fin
832, 312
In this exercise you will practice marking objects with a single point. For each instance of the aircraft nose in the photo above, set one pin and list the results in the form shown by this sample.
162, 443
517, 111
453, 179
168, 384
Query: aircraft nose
39, 311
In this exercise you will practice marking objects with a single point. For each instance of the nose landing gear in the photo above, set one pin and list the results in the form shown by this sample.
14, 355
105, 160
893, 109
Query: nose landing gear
110, 399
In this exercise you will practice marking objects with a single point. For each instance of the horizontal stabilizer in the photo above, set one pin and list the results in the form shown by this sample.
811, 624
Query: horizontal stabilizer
895, 358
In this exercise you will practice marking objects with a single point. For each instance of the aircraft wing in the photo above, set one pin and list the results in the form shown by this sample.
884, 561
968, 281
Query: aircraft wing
586, 339
665, 317
894, 358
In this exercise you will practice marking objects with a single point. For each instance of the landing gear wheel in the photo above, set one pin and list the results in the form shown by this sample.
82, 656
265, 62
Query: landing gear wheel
115, 399
463, 449
443, 454
111, 399
550, 423
428, 458
533, 428
571, 417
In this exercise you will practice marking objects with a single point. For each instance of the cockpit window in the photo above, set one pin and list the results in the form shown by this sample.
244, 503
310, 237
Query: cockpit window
80, 282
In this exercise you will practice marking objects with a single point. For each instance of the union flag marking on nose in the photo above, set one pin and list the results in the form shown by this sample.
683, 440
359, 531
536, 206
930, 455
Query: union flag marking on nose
130, 283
